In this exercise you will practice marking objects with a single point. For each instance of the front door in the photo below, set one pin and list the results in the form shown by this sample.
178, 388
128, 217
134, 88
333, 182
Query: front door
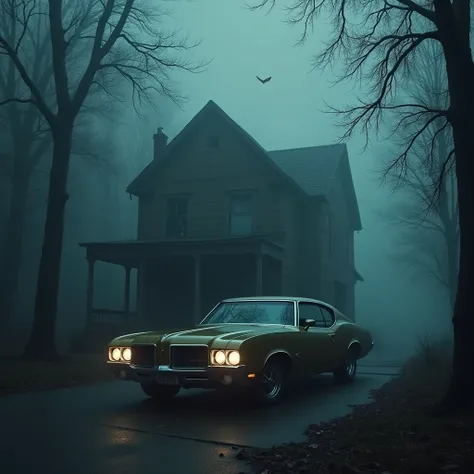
318, 342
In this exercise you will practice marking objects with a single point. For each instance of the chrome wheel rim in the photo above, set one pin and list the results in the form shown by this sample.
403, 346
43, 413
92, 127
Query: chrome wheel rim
271, 382
350, 368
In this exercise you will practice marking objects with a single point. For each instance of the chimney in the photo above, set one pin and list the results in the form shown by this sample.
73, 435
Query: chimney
160, 141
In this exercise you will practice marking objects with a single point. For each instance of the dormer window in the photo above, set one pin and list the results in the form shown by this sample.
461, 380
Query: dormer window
213, 142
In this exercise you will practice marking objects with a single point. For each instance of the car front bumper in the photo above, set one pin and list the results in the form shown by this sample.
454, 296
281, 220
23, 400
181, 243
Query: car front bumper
210, 377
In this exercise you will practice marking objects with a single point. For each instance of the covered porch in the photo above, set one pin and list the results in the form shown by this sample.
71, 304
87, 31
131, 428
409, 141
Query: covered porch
180, 280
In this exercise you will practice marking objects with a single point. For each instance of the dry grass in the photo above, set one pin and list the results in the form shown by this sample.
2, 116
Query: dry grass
20, 375
396, 434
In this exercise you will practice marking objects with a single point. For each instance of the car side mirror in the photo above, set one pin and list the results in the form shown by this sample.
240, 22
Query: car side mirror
309, 323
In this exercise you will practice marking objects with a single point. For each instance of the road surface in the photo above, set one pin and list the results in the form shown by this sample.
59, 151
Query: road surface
113, 428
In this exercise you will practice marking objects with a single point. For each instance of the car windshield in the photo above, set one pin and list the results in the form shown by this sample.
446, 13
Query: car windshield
256, 312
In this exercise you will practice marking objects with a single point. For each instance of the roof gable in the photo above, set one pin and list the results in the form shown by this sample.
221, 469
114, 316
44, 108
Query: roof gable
310, 171
312, 168
315, 168
138, 185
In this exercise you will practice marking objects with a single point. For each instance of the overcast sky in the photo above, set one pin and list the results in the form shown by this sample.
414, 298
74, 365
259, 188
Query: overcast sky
287, 113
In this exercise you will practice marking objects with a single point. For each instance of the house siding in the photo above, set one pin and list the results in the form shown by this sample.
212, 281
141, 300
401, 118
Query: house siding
208, 177
309, 248
337, 261
316, 232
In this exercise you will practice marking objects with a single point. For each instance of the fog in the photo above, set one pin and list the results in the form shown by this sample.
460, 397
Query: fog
287, 112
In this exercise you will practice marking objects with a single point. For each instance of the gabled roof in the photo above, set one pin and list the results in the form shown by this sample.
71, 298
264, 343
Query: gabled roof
310, 171
136, 186
314, 170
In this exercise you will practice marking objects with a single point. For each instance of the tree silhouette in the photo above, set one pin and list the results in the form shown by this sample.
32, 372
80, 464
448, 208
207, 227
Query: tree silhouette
123, 39
26, 140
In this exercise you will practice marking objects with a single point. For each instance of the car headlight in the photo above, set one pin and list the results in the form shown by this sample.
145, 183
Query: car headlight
233, 358
127, 354
219, 357
120, 354
116, 353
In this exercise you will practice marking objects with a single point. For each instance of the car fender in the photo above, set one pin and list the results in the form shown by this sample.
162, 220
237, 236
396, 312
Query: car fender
275, 352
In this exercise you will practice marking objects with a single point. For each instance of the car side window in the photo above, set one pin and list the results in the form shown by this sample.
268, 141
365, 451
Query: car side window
312, 311
328, 316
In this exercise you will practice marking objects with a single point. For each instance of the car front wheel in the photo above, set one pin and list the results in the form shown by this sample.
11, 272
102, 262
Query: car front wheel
272, 383
160, 392
347, 370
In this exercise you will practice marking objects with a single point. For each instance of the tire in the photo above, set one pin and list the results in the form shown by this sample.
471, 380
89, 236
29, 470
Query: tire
272, 383
346, 372
160, 392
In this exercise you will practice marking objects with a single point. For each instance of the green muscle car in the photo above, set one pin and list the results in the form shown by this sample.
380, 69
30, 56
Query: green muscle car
261, 344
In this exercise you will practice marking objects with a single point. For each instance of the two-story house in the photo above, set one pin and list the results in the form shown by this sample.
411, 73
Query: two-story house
219, 216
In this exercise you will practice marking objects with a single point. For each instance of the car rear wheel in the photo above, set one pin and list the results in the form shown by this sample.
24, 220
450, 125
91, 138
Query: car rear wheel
346, 372
272, 382
160, 392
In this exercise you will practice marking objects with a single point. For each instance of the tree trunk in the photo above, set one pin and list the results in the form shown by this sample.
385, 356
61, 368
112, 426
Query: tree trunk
453, 263
454, 35
42, 342
460, 393
12, 250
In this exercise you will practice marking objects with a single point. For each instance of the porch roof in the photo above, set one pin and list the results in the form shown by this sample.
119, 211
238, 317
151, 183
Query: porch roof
130, 253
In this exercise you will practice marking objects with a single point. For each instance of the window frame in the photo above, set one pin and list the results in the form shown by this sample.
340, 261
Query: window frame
236, 195
169, 216
322, 308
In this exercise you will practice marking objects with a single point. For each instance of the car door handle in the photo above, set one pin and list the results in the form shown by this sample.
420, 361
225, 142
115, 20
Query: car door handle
331, 334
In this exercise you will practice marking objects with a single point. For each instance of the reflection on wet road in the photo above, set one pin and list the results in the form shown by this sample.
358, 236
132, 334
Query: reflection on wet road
113, 428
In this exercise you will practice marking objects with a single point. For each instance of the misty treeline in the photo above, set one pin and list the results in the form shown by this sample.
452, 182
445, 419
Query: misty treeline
427, 218
67, 69
380, 44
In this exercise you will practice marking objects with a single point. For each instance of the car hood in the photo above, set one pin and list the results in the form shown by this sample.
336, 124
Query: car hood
204, 334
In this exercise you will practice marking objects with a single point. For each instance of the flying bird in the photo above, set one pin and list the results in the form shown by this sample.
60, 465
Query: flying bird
264, 81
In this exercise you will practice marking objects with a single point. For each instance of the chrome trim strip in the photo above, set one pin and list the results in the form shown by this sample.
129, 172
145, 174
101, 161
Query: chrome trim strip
167, 368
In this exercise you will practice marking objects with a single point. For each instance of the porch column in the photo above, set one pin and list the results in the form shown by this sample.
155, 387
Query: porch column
259, 275
126, 296
90, 289
197, 288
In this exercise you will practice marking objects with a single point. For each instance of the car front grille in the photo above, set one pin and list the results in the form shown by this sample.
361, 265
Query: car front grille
189, 357
143, 355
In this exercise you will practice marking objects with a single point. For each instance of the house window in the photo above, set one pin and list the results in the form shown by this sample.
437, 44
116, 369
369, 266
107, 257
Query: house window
177, 218
213, 142
241, 218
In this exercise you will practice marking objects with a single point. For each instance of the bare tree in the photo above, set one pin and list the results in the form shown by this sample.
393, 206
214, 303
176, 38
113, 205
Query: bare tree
26, 138
378, 41
123, 38
427, 218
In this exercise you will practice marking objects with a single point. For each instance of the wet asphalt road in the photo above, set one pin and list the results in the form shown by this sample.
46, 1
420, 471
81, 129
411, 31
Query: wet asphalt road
114, 429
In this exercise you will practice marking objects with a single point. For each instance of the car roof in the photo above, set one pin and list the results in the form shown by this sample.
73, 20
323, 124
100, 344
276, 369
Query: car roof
274, 298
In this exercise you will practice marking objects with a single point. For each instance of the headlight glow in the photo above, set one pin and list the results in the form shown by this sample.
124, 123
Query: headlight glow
219, 357
127, 354
116, 353
233, 357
